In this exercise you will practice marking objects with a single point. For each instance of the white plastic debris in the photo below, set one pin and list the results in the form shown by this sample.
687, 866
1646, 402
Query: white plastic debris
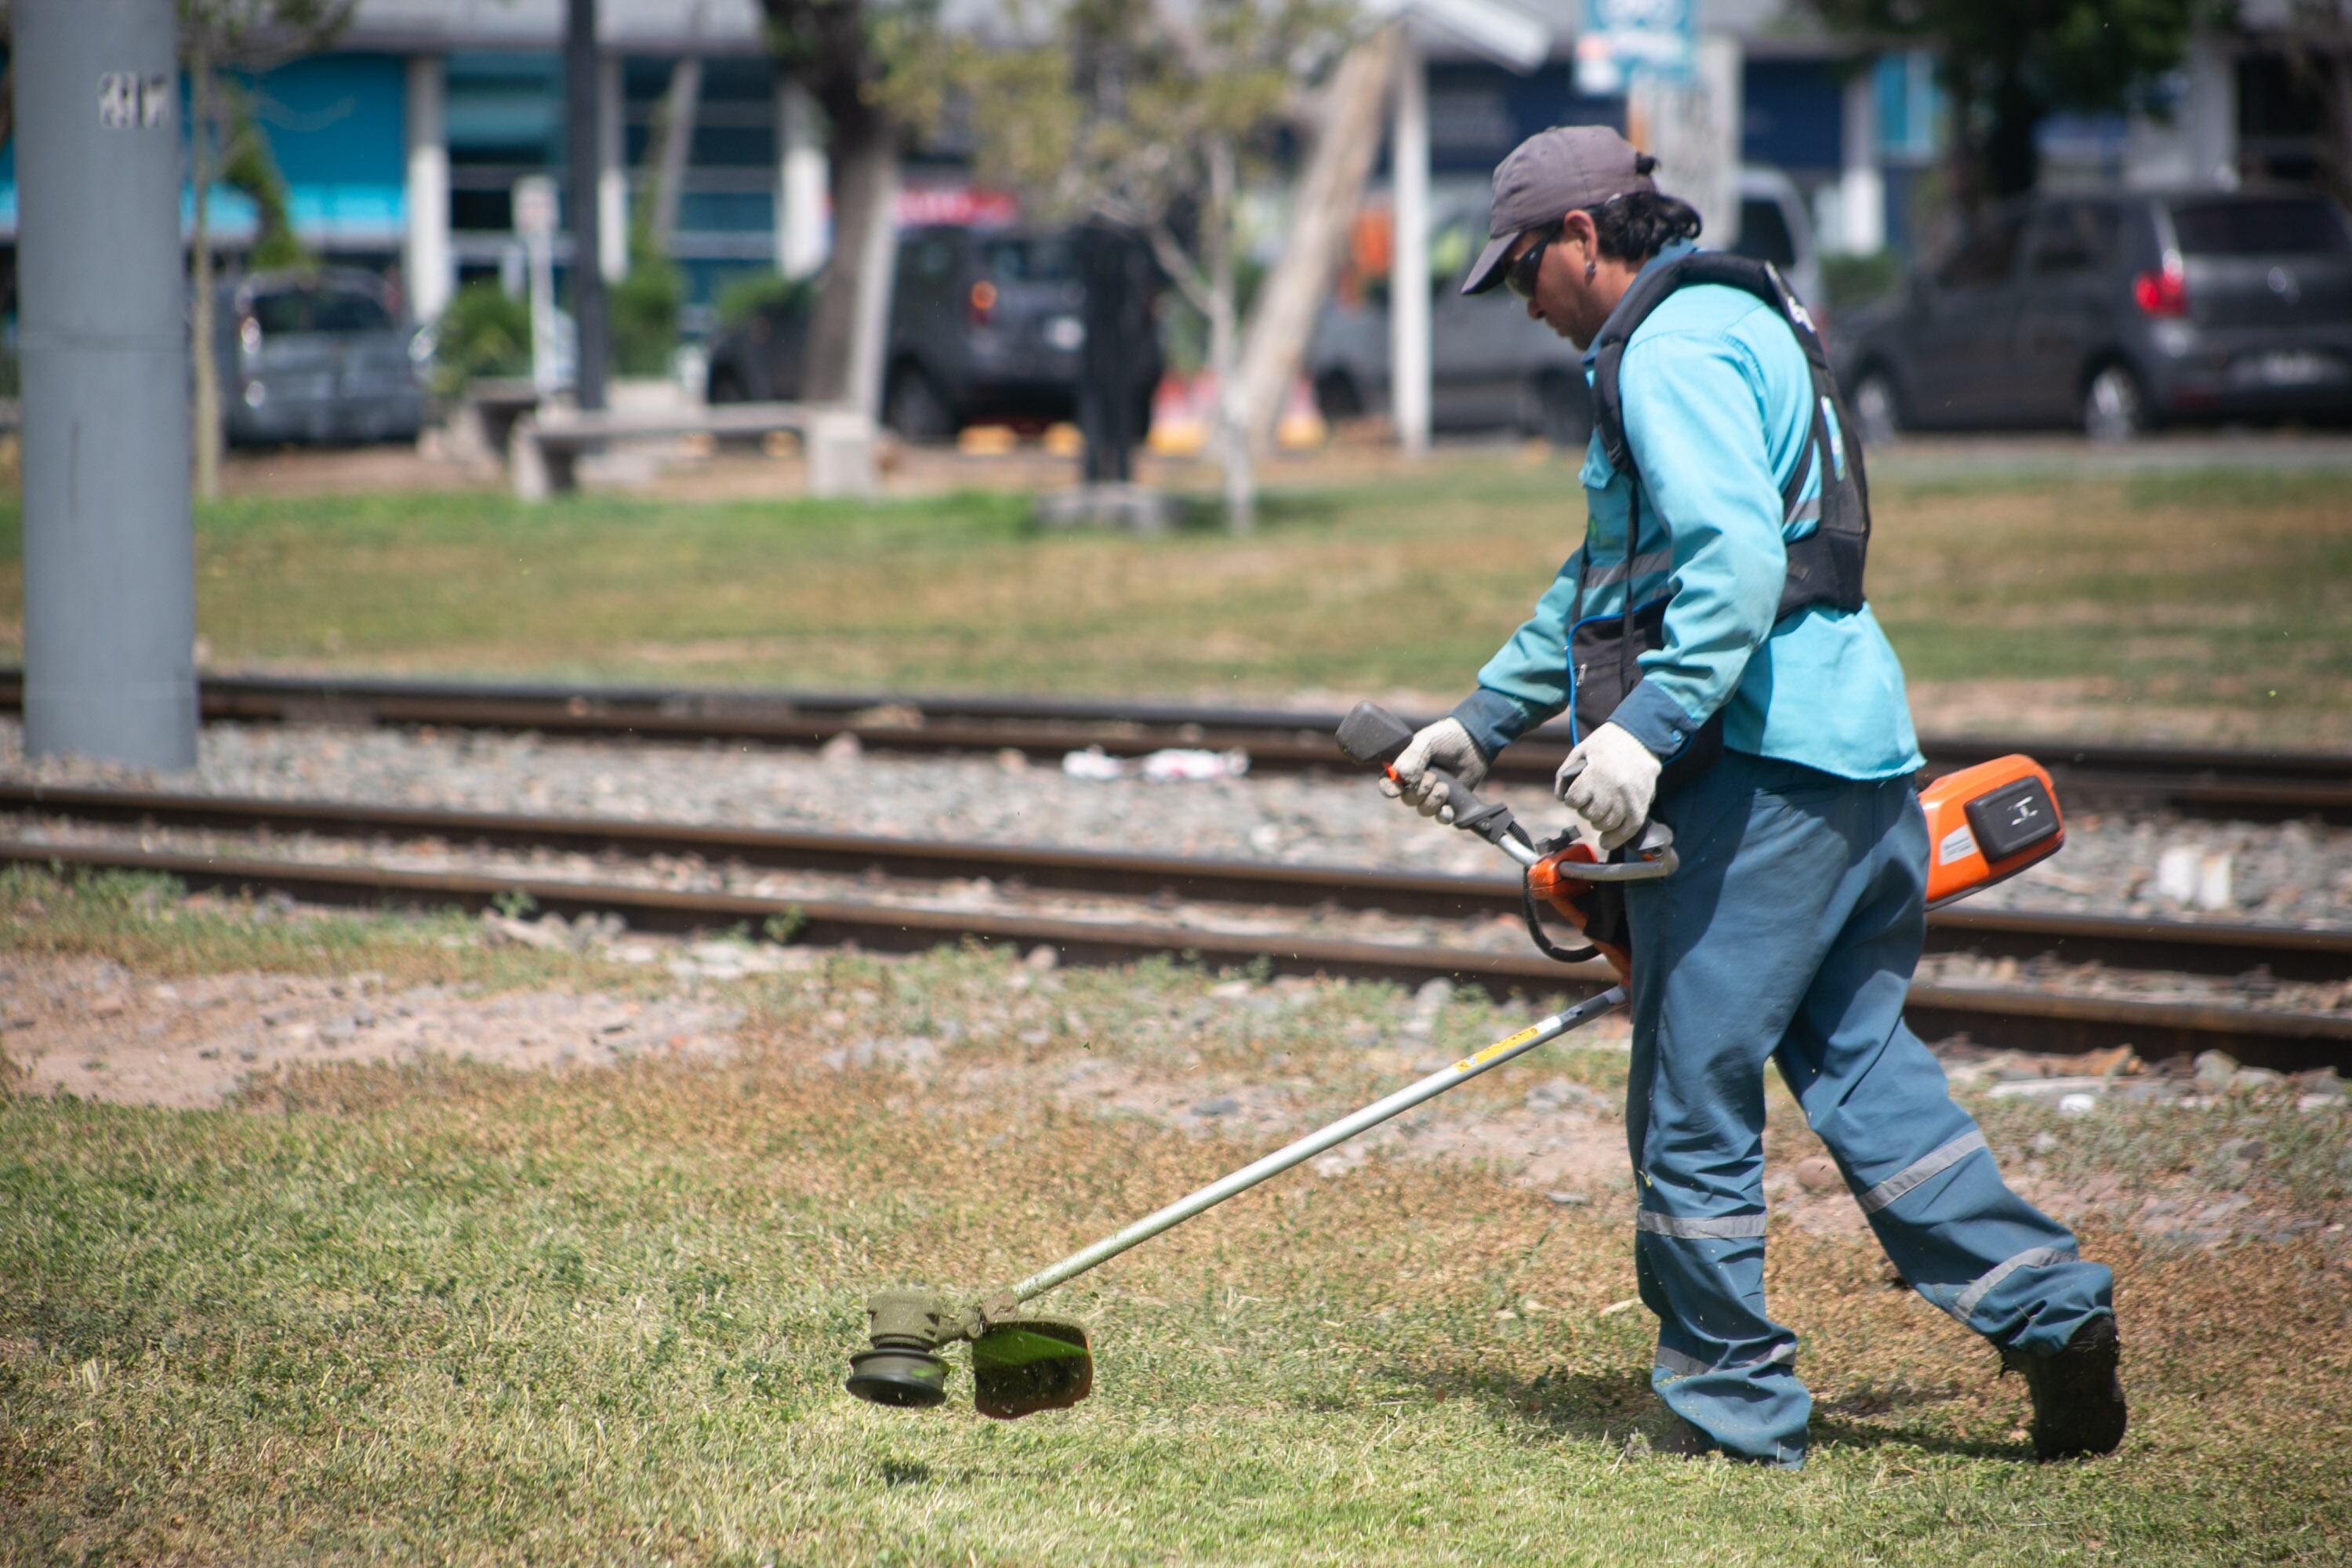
2176, 874
1174, 765
2213, 882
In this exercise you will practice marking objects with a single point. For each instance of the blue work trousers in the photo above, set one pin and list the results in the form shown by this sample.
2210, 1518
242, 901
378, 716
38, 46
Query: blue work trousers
1790, 932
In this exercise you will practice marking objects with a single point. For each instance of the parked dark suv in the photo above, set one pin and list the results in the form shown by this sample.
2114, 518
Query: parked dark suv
2114, 313
985, 324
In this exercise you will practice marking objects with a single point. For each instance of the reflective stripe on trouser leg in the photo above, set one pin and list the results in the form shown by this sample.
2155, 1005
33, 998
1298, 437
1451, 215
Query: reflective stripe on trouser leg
1720, 1364
1877, 1096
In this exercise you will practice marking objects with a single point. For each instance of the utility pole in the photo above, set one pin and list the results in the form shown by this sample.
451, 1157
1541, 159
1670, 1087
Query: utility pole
110, 573
583, 144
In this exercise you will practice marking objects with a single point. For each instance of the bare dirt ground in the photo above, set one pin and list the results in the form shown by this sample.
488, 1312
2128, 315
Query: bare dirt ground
90, 1027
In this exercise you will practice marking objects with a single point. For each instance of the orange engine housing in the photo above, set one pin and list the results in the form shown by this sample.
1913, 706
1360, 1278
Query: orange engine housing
1554, 882
1988, 823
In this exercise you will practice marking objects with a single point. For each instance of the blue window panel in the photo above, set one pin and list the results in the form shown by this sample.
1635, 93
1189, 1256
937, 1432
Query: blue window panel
727, 212
1792, 114
504, 108
1479, 113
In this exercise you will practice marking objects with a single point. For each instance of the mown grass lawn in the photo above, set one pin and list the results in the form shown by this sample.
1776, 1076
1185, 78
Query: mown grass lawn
450, 1313
2215, 604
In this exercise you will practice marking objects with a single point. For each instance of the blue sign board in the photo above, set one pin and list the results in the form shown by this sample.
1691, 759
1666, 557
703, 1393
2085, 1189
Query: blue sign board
1627, 38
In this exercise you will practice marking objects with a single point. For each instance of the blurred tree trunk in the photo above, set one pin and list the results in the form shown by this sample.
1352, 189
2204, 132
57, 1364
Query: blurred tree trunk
1282, 316
852, 310
673, 150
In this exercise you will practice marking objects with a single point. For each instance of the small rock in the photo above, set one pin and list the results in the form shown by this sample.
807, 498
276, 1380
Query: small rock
1433, 996
1223, 1105
2077, 1104
2249, 1150
504, 931
1818, 1173
2215, 1068
2256, 1078
109, 1005
2044, 1143
1569, 1200
1042, 958
1012, 760
843, 749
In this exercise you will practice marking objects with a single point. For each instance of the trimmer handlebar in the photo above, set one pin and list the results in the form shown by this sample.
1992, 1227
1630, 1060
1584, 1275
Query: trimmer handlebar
1372, 735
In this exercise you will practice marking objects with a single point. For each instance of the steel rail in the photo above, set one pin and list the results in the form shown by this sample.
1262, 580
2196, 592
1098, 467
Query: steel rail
2024, 1018
2202, 780
2203, 947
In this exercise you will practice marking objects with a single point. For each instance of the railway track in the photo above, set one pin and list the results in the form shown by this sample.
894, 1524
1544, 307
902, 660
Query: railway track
2208, 780
2033, 1018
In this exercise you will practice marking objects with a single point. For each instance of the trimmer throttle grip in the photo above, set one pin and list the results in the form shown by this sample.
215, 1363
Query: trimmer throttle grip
1372, 735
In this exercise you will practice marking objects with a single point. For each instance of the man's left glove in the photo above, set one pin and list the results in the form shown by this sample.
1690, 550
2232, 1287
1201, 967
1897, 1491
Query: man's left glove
1610, 780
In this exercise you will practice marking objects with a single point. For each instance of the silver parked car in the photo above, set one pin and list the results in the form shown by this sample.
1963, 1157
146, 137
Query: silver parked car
315, 357
1489, 366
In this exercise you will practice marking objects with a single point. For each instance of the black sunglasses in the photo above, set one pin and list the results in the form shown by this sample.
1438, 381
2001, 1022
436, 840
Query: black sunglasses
1520, 277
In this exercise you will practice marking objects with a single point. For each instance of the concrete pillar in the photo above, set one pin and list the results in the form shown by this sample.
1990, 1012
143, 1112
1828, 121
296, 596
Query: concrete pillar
800, 179
1862, 186
110, 573
2209, 115
612, 173
1409, 282
426, 262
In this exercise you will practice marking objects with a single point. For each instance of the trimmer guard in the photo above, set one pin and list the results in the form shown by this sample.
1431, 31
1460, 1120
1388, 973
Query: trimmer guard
1029, 1365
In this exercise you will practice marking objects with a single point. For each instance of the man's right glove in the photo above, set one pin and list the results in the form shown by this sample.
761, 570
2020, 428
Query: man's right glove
1445, 744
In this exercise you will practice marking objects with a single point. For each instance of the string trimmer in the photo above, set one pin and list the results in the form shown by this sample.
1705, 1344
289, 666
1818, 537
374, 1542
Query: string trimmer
1986, 822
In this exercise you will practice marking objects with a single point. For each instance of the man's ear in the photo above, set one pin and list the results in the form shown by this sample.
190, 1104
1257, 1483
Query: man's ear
1577, 228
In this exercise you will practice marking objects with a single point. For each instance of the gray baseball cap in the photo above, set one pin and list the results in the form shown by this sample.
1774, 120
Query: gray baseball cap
1547, 176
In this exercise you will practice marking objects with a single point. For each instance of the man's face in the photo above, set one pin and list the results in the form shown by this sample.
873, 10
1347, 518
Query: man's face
1557, 294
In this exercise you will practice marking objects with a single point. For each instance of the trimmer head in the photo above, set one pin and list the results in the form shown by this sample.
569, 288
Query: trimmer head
1019, 1365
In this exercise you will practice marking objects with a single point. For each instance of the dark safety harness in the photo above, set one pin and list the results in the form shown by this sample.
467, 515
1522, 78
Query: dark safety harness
1824, 566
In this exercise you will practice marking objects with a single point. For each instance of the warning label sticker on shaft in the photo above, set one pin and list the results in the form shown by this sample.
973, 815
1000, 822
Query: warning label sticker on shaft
1958, 843
1498, 1047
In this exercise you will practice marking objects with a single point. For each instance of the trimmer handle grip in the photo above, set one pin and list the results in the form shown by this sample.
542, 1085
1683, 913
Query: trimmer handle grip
1372, 735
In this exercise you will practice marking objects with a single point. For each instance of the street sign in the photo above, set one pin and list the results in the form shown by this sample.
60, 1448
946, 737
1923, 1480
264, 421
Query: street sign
534, 206
1623, 40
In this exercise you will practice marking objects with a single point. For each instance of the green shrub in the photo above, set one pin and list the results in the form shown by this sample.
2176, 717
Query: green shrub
644, 307
747, 294
1852, 281
484, 331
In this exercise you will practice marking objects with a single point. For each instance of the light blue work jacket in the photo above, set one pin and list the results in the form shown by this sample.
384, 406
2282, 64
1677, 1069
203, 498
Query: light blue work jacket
1718, 401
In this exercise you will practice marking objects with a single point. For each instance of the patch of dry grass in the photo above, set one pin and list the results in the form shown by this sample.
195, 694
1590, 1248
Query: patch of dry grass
446, 1313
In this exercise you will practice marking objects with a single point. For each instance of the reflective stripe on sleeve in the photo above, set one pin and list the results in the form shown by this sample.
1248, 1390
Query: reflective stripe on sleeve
1932, 1164
1727, 1228
2032, 1258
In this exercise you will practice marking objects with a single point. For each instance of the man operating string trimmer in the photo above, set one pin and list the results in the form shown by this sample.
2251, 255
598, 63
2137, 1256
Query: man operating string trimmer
1749, 703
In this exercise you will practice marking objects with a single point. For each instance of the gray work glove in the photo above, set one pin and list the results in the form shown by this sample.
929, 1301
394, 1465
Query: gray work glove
1445, 744
1610, 781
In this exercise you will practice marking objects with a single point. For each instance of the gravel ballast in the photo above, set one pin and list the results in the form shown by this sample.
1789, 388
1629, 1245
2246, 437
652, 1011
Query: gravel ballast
2294, 873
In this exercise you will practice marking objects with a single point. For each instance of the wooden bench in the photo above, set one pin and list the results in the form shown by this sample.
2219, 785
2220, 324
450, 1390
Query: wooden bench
544, 449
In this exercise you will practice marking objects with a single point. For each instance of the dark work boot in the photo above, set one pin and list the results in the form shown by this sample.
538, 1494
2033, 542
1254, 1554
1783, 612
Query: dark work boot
2078, 1397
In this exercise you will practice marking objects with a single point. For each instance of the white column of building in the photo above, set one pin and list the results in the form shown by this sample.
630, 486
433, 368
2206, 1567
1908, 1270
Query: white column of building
426, 262
1861, 187
612, 173
800, 179
1409, 250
